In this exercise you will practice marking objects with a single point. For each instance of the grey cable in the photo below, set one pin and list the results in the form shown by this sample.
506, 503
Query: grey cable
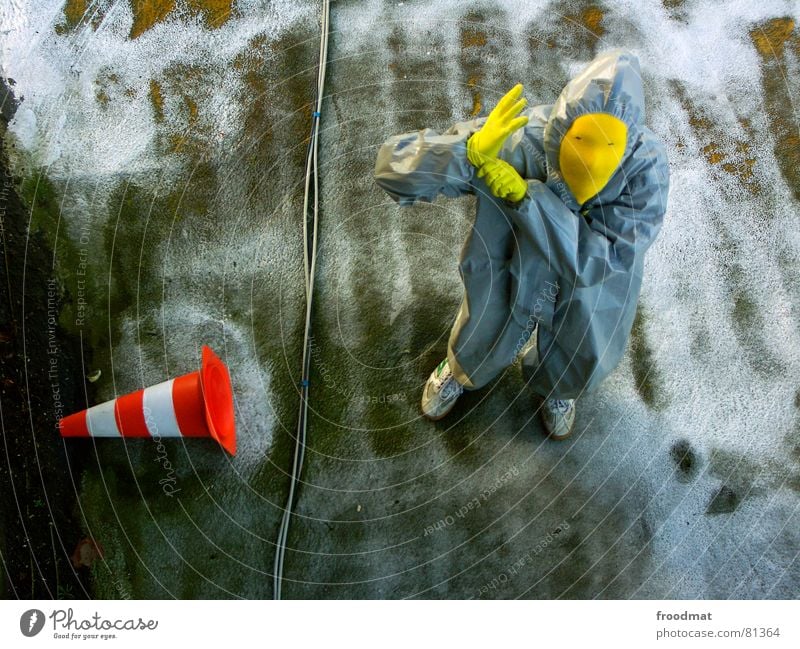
310, 262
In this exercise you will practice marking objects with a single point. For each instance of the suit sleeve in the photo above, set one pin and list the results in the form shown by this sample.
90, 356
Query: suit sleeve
611, 238
421, 165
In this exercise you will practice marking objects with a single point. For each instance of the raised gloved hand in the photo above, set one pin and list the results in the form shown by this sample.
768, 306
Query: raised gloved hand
502, 122
503, 180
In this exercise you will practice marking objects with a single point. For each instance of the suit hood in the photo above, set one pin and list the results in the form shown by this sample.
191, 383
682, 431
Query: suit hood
612, 84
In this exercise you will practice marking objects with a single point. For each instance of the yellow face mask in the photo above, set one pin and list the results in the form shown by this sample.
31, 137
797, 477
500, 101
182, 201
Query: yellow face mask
590, 153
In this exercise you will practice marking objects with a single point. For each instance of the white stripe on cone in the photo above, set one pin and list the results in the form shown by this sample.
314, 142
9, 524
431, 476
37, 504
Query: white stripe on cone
159, 411
101, 422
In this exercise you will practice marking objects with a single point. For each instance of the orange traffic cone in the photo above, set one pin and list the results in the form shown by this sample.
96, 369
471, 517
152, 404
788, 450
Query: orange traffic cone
199, 404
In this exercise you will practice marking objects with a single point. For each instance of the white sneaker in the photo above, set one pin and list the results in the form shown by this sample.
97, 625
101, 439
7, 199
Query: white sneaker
441, 392
558, 416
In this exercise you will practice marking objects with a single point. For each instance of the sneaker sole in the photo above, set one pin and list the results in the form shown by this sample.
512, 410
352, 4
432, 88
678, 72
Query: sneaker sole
440, 417
554, 437
558, 438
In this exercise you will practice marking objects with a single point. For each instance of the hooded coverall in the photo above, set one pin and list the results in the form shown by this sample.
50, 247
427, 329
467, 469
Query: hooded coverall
574, 271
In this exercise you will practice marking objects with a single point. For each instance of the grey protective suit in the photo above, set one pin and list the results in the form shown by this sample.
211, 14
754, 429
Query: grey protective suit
575, 271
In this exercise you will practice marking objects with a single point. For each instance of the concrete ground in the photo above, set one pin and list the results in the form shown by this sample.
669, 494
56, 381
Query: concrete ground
159, 146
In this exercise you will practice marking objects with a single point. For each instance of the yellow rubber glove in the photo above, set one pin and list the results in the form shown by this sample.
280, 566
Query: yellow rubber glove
502, 122
503, 180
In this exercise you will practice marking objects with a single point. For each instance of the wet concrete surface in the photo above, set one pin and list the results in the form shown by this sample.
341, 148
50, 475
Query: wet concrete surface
40, 370
169, 187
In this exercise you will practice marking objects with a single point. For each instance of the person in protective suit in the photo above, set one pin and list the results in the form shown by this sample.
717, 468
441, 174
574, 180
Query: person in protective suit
569, 198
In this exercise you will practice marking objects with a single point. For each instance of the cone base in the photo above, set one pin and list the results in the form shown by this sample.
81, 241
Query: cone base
218, 396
